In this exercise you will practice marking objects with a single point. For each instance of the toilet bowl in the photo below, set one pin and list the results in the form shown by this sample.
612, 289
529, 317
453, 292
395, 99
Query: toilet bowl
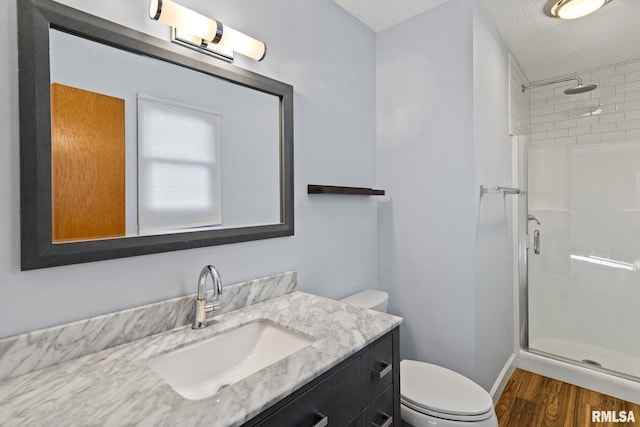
430, 395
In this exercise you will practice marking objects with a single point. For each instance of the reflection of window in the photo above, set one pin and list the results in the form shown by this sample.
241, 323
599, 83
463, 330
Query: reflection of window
178, 166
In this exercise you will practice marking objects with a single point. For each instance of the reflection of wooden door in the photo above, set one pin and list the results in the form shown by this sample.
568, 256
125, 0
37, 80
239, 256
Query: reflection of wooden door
87, 164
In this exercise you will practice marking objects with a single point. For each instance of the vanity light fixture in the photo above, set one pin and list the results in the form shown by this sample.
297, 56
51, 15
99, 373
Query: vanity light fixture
571, 9
199, 32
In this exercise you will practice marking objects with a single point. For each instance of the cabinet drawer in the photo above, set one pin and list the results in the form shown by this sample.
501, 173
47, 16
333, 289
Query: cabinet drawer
380, 412
377, 369
337, 398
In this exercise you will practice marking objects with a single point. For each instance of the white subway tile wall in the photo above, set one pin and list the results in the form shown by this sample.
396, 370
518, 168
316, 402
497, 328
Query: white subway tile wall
609, 113
519, 108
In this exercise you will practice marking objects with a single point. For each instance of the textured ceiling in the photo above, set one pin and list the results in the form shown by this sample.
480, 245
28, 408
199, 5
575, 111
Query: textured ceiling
547, 47
544, 47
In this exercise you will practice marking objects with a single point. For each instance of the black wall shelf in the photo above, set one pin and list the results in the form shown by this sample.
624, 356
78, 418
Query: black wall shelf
333, 189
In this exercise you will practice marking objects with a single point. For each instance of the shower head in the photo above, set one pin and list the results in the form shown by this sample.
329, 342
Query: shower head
580, 89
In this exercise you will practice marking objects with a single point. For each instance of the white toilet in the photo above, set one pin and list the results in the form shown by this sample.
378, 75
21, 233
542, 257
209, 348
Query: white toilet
430, 395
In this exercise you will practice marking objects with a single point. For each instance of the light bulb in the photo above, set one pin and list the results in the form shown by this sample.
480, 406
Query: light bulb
185, 19
572, 9
242, 43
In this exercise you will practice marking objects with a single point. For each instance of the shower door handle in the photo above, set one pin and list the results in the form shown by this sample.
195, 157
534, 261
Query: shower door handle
536, 242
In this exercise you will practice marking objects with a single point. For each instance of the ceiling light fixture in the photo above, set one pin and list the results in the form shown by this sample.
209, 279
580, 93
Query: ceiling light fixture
207, 35
571, 9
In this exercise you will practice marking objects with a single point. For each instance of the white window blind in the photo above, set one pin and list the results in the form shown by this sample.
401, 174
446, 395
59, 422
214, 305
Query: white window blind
178, 166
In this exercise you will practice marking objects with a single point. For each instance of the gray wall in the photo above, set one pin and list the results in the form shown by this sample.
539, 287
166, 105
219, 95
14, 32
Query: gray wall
493, 288
329, 58
445, 255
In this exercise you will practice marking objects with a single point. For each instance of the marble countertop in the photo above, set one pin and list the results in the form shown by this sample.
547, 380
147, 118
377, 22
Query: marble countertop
116, 387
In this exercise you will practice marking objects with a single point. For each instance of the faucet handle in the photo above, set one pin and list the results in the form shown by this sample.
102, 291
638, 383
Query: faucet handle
214, 305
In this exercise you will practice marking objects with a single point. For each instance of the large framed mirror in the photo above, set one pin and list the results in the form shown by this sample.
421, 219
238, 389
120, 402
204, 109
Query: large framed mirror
131, 145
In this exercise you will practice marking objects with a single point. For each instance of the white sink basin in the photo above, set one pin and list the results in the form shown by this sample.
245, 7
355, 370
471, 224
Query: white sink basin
199, 370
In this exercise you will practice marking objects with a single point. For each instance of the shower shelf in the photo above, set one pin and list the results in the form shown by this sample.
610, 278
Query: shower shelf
333, 189
505, 191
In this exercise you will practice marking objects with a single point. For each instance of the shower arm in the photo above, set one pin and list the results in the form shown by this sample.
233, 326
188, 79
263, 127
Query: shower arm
550, 82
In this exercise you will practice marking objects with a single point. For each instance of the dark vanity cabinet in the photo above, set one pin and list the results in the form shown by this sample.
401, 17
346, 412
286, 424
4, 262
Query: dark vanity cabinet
362, 391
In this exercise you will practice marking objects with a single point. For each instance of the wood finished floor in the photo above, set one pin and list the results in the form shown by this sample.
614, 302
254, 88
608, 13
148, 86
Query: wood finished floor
531, 400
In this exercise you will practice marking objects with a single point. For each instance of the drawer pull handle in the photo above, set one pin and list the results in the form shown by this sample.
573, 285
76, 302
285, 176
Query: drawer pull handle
383, 369
387, 421
324, 421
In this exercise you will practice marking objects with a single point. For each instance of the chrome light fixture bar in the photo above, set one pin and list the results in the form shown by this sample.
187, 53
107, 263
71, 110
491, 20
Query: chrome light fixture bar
191, 29
572, 9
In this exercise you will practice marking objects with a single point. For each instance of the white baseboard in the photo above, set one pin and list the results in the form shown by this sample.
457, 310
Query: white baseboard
501, 381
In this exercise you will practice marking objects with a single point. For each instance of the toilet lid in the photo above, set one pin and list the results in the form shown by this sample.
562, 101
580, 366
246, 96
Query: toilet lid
437, 389
369, 298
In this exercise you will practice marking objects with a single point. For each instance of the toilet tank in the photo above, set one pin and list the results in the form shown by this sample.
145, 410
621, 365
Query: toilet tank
369, 298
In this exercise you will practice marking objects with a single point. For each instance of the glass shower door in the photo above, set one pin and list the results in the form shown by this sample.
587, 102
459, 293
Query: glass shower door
584, 255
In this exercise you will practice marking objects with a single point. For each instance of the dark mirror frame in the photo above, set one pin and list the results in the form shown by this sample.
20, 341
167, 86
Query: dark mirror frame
35, 19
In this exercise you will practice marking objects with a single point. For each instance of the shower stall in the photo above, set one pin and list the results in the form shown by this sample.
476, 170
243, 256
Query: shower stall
579, 233
584, 255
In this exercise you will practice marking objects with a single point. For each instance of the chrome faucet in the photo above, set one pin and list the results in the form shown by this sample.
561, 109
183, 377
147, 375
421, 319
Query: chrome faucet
202, 305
